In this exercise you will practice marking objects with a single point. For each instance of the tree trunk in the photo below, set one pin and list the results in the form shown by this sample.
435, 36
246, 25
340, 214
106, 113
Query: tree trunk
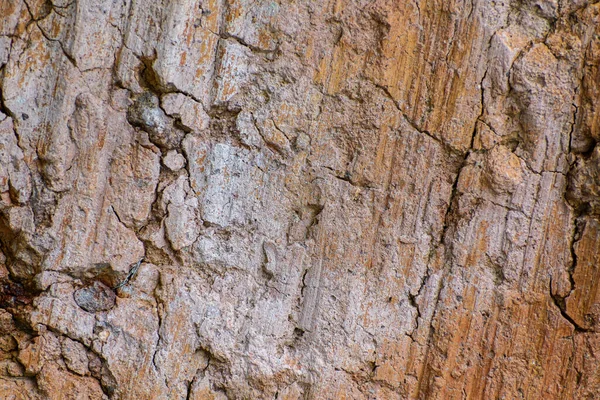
234, 199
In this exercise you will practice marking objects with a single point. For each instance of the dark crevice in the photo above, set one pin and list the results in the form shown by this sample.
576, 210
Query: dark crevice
347, 177
188, 389
573, 123
413, 302
464, 161
268, 143
447, 269
3, 107
159, 316
446, 146
117, 215
150, 80
560, 303
578, 227
46, 11
252, 48
303, 284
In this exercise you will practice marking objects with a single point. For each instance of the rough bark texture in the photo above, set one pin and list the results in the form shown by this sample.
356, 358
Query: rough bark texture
335, 199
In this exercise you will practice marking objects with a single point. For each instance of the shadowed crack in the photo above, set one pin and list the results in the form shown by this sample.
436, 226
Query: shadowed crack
560, 303
46, 11
413, 300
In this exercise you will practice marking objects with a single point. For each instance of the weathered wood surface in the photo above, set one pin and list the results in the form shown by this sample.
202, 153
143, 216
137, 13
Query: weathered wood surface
333, 199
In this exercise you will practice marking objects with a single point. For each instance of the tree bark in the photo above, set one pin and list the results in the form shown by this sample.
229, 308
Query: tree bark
235, 199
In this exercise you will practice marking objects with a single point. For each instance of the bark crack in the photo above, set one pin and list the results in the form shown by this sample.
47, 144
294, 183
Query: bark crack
561, 301
449, 148
60, 43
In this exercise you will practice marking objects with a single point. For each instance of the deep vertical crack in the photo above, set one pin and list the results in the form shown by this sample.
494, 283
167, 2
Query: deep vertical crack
448, 264
561, 301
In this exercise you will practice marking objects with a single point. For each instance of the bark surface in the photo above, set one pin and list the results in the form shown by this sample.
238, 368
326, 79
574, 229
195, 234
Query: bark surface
333, 199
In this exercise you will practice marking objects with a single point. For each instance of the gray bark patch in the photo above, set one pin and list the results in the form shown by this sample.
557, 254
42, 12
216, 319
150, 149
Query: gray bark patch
95, 297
